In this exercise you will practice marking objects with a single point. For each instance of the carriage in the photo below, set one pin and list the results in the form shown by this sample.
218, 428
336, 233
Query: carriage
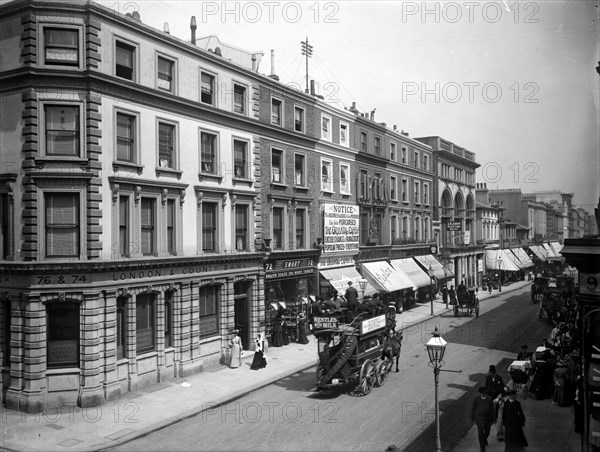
466, 302
551, 304
351, 355
539, 288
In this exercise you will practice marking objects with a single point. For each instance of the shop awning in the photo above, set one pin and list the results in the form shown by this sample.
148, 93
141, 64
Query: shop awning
556, 247
549, 251
540, 252
429, 260
411, 269
509, 255
339, 277
523, 257
385, 277
498, 260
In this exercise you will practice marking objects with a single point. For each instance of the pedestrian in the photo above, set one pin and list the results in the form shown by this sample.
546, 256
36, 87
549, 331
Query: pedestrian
493, 383
499, 405
524, 355
561, 377
302, 339
490, 286
445, 295
351, 297
235, 345
483, 414
277, 335
259, 361
513, 420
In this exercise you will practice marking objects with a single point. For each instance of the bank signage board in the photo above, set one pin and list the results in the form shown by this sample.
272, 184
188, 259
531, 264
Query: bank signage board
341, 232
454, 226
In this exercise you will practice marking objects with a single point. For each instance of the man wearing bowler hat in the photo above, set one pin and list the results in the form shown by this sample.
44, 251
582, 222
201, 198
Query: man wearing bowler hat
484, 415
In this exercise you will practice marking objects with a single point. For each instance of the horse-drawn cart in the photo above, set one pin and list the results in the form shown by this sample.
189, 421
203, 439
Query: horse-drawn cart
353, 355
467, 303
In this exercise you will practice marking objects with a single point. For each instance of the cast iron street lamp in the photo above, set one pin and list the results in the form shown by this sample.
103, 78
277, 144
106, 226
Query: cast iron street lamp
436, 346
500, 274
430, 273
363, 286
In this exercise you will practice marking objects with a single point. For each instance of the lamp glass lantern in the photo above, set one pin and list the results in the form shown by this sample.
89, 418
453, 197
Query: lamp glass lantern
436, 347
363, 284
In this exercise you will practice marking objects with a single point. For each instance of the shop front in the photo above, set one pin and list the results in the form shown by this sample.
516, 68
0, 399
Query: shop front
87, 334
290, 286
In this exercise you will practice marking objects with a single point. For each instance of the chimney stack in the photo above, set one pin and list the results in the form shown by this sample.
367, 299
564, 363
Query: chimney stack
273, 75
193, 28
395, 127
312, 87
166, 28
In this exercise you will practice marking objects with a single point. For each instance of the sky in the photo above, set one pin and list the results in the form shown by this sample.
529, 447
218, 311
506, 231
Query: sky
515, 82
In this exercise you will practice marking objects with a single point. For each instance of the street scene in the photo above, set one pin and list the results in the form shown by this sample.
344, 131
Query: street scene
317, 226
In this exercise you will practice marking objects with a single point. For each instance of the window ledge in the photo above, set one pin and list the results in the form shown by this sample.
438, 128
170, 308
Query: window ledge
209, 176
301, 188
329, 192
62, 370
40, 162
278, 185
242, 180
345, 193
119, 166
160, 171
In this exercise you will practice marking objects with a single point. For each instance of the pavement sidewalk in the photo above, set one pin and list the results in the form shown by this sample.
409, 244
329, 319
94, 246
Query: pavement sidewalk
61, 428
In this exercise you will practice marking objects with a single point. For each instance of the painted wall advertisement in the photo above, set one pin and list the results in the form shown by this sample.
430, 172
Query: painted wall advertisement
341, 231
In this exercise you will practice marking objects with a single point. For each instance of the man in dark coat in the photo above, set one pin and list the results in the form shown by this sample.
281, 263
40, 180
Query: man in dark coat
484, 415
513, 420
493, 383
351, 297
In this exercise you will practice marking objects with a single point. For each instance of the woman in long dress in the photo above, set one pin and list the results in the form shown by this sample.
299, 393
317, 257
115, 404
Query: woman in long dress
302, 339
277, 336
236, 350
259, 361
513, 420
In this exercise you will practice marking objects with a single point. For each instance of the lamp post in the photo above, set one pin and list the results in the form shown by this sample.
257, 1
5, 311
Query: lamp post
430, 273
500, 274
436, 346
363, 286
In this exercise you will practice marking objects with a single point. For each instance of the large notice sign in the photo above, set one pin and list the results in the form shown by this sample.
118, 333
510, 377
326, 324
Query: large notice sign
341, 231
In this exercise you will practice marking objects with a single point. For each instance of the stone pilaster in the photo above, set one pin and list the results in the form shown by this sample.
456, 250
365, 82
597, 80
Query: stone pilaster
130, 345
91, 389
108, 347
30, 385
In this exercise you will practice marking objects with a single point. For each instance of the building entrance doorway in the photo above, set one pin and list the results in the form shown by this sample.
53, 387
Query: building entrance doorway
241, 296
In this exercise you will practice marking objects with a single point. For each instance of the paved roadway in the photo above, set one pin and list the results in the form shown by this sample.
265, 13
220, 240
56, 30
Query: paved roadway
289, 416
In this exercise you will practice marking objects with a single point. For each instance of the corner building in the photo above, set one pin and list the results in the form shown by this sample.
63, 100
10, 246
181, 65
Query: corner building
129, 203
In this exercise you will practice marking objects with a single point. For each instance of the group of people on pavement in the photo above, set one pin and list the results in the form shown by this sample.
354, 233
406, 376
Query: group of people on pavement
496, 403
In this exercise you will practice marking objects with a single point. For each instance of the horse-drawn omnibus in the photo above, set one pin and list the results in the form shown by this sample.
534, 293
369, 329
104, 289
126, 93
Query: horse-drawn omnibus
358, 354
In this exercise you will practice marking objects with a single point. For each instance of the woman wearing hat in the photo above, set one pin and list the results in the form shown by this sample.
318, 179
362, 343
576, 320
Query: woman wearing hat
513, 421
302, 339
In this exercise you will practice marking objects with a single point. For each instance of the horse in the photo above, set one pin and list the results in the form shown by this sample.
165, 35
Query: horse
391, 348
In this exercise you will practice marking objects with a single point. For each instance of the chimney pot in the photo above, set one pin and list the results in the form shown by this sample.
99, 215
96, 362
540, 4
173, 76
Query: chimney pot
273, 75
193, 27
166, 28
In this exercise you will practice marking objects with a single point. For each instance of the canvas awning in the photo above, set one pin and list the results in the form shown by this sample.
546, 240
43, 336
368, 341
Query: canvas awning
523, 257
549, 251
386, 278
339, 277
540, 252
429, 260
498, 260
514, 259
556, 247
411, 269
